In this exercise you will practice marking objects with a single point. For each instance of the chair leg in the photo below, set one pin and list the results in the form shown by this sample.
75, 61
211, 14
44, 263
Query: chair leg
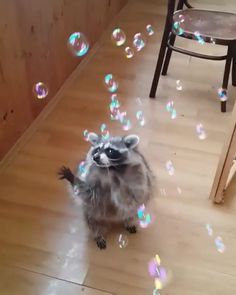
160, 61
168, 55
226, 75
234, 70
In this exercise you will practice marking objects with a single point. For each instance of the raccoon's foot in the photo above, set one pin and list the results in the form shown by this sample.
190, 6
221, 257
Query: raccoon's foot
101, 243
132, 229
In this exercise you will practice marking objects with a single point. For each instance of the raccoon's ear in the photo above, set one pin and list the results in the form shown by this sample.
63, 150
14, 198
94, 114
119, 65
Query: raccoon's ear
93, 138
131, 141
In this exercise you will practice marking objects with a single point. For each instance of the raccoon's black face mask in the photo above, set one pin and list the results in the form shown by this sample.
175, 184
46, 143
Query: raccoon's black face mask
113, 152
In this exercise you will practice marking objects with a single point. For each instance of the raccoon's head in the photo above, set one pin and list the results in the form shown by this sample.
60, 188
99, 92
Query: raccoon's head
113, 152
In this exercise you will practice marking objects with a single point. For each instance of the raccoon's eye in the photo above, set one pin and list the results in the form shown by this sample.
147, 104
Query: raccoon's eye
112, 154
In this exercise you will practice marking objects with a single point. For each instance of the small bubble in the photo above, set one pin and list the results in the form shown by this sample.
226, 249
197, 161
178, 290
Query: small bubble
219, 244
139, 42
78, 44
129, 52
173, 114
83, 169
105, 132
163, 191
170, 106
145, 219
140, 118
170, 168
179, 86
150, 30
199, 38
123, 241
201, 131
40, 90
222, 93
118, 37
126, 124
111, 83
209, 229
76, 190
179, 190
86, 133
177, 28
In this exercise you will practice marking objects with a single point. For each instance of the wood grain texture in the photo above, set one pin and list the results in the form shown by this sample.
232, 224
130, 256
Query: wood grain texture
41, 228
33, 47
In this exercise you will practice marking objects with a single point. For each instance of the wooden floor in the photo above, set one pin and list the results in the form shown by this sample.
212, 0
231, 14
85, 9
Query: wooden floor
44, 243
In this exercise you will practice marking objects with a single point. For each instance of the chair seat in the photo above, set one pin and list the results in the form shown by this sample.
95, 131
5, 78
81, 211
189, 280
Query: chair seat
210, 24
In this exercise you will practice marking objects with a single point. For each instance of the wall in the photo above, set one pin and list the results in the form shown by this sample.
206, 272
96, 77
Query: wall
33, 47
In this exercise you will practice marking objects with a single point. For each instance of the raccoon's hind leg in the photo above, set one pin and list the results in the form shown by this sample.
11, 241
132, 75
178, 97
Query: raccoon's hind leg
130, 225
98, 231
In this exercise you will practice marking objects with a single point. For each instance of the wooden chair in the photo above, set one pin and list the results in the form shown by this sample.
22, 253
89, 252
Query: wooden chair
213, 26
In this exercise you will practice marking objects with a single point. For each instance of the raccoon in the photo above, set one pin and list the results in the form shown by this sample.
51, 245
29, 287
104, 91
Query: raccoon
117, 182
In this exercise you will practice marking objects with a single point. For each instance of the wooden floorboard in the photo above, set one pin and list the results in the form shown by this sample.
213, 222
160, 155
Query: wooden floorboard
43, 239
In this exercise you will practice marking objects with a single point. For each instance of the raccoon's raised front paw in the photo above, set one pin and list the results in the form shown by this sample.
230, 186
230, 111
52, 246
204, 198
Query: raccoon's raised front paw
131, 229
65, 173
101, 243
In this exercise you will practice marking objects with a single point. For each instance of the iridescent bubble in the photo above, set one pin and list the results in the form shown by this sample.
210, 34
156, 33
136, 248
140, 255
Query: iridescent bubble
111, 83
118, 37
126, 124
181, 18
177, 28
219, 244
179, 190
173, 114
145, 219
83, 169
170, 168
209, 229
140, 118
129, 52
201, 131
222, 94
155, 292
40, 90
139, 41
199, 38
158, 272
170, 106
123, 241
179, 85
78, 44
105, 132
86, 133
150, 30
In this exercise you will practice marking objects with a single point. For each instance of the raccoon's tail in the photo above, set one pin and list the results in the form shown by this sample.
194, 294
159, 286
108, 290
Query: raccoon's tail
65, 173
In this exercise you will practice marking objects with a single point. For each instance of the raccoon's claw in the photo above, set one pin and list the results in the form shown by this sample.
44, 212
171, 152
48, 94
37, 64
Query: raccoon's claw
65, 173
131, 229
101, 243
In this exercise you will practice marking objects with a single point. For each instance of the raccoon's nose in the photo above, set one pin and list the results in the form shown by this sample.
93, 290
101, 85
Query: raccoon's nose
96, 157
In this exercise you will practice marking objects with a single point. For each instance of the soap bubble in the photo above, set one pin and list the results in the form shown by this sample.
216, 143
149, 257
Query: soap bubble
199, 38
76, 190
126, 124
181, 18
150, 30
179, 190
159, 273
86, 133
209, 229
140, 118
222, 94
104, 131
170, 106
219, 244
111, 83
144, 218
139, 41
173, 114
78, 44
170, 168
177, 28
129, 52
201, 131
123, 241
83, 169
118, 37
40, 90
179, 85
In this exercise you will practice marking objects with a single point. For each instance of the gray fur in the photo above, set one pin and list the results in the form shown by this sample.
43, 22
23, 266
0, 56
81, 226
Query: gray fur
113, 189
